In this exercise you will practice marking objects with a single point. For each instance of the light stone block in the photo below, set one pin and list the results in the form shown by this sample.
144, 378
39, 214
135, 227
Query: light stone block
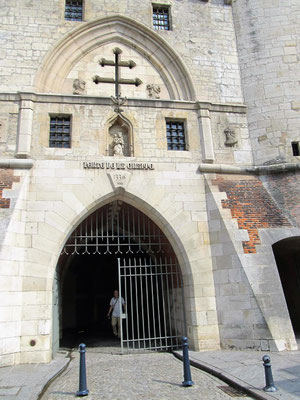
33, 357
9, 329
10, 313
34, 283
44, 327
7, 360
10, 345
201, 318
29, 328
38, 312
10, 268
205, 303
38, 256
56, 221
10, 284
33, 216
42, 343
44, 244
228, 317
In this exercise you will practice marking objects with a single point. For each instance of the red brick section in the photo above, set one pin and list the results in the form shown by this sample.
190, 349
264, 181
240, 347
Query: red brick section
6, 180
252, 206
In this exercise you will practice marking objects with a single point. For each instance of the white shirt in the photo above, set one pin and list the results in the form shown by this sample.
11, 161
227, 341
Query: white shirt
116, 304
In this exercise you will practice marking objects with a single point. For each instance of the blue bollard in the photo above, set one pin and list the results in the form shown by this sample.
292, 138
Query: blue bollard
83, 390
186, 363
270, 387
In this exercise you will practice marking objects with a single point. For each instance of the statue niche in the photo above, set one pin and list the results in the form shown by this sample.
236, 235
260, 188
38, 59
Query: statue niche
119, 142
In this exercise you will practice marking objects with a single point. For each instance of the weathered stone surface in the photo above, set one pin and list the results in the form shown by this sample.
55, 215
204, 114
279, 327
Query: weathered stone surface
221, 225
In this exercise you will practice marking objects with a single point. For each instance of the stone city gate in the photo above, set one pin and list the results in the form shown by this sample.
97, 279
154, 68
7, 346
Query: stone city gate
119, 247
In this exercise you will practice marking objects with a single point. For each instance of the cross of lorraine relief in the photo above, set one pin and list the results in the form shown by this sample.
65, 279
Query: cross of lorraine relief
117, 80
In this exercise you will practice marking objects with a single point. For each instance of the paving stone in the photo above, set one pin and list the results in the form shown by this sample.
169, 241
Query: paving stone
112, 376
245, 368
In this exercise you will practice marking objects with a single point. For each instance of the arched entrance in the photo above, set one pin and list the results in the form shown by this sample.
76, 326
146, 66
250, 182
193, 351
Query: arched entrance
287, 255
119, 247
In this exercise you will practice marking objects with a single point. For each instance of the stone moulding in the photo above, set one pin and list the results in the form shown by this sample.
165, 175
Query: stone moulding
93, 34
249, 170
149, 103
16, 163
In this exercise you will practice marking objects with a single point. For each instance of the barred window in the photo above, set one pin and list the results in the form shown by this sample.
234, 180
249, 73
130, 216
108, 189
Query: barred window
161, 18
60, 132
73, 10
296, 148
176, 135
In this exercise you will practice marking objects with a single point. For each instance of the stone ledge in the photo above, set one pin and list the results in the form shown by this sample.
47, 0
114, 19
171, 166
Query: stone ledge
16, 163
249, 170
149, 103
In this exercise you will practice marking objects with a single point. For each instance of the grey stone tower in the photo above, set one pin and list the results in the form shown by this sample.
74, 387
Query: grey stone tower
268, 42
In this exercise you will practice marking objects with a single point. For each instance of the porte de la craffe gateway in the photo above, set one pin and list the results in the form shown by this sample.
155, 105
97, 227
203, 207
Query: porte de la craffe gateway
149, 147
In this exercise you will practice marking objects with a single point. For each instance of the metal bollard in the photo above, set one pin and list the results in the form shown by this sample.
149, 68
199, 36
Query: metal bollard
270, 387
186, 363
83, 390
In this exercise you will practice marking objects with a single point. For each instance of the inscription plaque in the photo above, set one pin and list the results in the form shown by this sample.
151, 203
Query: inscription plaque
118, 165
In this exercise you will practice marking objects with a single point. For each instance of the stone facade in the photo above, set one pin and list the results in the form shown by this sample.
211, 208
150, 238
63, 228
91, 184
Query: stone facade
223, 69
268, 47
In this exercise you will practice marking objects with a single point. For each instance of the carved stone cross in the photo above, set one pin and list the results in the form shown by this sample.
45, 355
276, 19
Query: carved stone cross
117, 80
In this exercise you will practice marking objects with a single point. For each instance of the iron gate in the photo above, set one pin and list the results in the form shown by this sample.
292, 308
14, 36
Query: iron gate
153, 293
149, 275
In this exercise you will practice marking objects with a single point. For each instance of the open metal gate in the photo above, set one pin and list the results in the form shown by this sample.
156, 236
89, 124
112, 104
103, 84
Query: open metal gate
150, 279
153, 292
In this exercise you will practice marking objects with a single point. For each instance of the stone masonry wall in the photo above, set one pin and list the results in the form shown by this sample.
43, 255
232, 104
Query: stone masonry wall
244, 222
240, 319
269, 46
90, 130
252, 206
58, 194
202, 33
8, 127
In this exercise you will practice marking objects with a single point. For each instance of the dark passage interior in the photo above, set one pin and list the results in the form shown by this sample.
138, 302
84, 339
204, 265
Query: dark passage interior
287, 255
88, 274
86, 290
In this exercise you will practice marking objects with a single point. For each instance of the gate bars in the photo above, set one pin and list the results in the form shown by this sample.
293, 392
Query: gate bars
150, 279
153, 293
117, 228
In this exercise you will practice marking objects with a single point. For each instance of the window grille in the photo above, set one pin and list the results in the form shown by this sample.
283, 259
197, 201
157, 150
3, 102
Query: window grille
161, 18
60, 132
73, 10
176, 135
296, 148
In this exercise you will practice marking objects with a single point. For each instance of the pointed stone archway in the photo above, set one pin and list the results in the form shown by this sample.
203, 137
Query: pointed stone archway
119, 247
96, 33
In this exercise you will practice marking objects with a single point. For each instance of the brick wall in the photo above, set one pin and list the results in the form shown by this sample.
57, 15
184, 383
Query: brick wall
6, 180
252, 205
285, 189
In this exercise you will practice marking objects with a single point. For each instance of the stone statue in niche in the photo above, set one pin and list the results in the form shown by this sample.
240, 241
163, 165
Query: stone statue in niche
119, 138
118, 144
153, 91
78, 86
230, 137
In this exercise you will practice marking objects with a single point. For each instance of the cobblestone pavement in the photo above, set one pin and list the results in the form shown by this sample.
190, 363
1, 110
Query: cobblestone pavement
151, 376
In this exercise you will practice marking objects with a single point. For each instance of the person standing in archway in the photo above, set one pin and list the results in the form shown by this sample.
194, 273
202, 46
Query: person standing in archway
117, 305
